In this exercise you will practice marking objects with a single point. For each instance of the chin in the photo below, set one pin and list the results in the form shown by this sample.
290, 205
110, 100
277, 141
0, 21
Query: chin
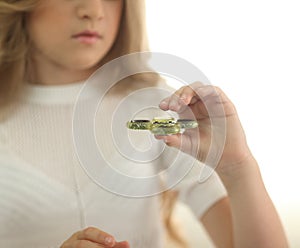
85, 59
86, 65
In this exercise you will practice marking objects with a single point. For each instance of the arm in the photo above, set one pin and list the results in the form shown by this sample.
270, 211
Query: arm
247, 218
218, 223
248, 212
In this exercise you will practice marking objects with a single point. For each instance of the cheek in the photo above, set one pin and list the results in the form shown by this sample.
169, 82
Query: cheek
47, 23
36, 30
45, 35
39, 39
114, 28
115, 18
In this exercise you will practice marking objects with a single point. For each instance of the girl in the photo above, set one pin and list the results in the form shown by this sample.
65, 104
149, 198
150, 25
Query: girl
48, 48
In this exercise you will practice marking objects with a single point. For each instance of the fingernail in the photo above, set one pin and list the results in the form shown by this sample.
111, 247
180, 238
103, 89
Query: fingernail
109, 241
163, 103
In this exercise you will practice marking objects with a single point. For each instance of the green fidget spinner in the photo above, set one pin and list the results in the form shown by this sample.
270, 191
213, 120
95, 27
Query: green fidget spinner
162, 126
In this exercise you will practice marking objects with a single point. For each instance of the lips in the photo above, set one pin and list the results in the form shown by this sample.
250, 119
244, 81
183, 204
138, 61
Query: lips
87, 37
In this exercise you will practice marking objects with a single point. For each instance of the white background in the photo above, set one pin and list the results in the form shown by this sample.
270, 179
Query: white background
251, 49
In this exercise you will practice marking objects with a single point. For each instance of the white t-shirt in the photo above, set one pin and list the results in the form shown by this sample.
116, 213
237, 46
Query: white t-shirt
46, 194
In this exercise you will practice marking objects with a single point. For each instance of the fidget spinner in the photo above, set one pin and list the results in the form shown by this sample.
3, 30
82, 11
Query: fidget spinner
162, 126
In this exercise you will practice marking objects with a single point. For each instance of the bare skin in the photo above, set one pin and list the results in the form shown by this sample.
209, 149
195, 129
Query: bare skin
247, 217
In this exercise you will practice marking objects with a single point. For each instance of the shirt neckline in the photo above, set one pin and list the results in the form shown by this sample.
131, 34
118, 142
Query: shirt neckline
51, 94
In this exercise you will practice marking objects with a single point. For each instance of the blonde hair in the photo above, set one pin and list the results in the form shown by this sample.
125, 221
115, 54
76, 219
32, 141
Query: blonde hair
13, 46
14, 49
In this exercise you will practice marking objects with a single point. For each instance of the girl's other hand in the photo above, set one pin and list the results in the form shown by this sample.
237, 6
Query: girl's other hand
193, 102
92, 237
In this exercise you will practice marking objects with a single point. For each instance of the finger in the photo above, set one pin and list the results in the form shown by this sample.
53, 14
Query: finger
186, 94
183, 142
216, 101
177, 100
164, 104
206, 97
123, 244
189, 92
171, 140
202, 92
95, 235
86, 244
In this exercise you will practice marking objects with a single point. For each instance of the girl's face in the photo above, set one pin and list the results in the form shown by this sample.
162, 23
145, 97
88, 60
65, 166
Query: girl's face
72, 35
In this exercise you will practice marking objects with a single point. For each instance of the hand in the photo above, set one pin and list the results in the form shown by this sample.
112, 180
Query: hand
217, 116
92, 237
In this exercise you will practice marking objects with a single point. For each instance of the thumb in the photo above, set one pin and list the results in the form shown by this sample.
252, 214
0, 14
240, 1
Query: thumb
182, 142
171, 140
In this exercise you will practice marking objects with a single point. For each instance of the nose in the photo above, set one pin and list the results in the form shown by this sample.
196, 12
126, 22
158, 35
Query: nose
90, 10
